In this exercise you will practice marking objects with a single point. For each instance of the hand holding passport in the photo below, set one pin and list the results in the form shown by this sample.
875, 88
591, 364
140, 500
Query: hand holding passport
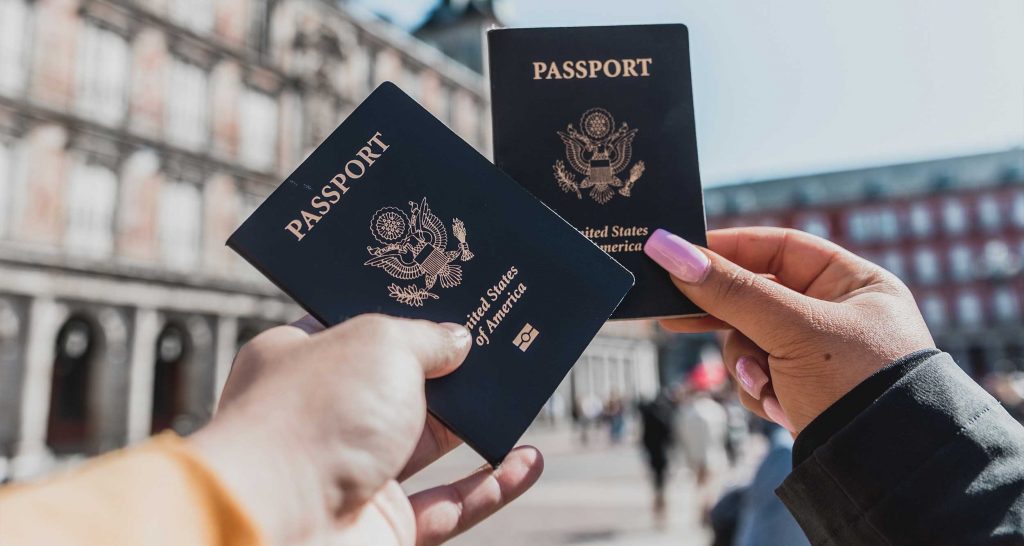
394, 214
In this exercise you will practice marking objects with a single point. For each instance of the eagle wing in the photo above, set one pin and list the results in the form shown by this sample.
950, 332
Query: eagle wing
622, 151
396, 267
574, 153
433, 225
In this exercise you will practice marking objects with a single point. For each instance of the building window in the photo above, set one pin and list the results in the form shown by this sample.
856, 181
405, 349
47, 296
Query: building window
14, 39
1006, 304
1018, 209
954, 216
815, 224
180, 224
92, 195
960, 263
927, 266
920, 220
870, 225
187, 104
194, 14
998, 260
102, 76
969, 308
258, 131
989, 214
888, 224
934, 310
857, 225
893, 261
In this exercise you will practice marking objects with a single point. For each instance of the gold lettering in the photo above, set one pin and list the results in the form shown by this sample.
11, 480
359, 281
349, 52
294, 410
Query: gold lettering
295, 227
591, 68
310, 219
538, 66
629, 68
339, 180
615, 64
319, 204
367, 154
569, 72
331, 194
376, 140
643, 66
352, 175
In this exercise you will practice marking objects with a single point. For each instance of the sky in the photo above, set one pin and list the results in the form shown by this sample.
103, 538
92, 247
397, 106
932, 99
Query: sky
793, 87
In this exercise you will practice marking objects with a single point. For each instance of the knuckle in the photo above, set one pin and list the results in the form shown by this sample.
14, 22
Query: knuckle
379, 327
255, 349
734, 284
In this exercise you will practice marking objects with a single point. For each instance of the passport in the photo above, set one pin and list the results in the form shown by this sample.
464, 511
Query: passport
393, 213
597, 122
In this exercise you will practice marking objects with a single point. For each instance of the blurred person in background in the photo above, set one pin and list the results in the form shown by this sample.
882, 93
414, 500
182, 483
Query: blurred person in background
753, 515
738, 425
615, 414
588, 410
657, 418
894, 443
702, 429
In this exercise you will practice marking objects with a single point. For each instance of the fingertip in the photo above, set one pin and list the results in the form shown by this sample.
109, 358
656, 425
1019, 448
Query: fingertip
773, 409
528, 457
459, 343
521, 469
684, 260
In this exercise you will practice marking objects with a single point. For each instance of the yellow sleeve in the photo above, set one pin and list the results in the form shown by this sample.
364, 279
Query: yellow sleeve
158, 493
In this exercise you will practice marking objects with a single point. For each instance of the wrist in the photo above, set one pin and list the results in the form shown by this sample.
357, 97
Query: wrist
264, 472
849, 406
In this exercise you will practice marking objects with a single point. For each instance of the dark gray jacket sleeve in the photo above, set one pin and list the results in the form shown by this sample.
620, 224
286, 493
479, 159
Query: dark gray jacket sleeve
932, 459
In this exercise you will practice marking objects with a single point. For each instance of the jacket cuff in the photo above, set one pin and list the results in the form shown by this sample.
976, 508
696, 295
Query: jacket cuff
832, 492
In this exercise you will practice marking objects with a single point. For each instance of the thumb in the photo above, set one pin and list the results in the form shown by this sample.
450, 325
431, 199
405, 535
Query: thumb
439, 348
758, 307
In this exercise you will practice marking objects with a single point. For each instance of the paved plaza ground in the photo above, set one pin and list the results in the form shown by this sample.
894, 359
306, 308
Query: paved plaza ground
598, 495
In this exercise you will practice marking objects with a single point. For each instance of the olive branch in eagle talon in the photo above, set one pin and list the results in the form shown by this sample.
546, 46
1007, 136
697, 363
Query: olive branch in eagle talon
566, 180
410, 295
599, 151
414, 246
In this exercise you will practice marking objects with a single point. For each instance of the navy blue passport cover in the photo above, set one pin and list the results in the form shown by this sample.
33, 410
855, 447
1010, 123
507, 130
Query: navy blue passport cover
608, 141
393, 213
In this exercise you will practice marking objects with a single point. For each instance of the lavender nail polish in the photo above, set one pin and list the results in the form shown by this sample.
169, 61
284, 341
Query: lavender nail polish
678, 256
752, 377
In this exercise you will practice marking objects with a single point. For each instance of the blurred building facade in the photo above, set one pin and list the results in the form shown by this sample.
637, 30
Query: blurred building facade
135, 135
951, 229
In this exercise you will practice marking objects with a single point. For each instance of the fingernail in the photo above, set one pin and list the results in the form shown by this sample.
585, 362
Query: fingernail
774, 410
751, 376
460, 335
678, 256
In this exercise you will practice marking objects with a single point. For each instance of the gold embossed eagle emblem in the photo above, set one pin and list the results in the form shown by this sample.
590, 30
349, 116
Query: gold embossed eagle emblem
415, 245
599, 151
